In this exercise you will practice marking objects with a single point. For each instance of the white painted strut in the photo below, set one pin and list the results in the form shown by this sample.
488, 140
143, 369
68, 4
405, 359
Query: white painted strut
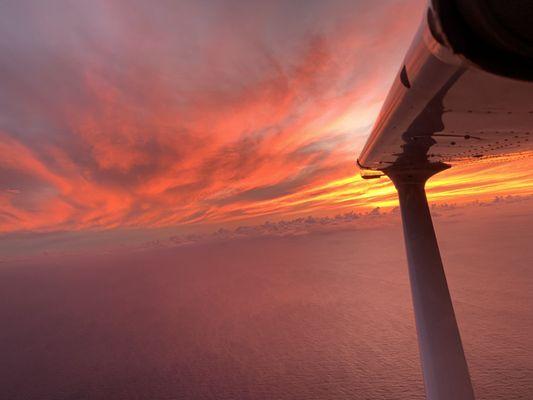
444, 365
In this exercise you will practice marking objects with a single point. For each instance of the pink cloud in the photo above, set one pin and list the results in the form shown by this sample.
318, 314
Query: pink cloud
118, 115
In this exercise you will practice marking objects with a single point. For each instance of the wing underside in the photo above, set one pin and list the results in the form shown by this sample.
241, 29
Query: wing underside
442, 108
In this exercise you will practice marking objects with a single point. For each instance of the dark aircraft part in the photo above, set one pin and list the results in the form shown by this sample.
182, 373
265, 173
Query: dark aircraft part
495, 35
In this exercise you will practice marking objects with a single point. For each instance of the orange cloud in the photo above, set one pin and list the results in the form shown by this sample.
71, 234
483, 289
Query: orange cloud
143, 117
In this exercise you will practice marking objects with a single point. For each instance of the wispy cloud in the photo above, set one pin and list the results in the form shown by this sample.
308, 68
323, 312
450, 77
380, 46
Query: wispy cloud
124, 114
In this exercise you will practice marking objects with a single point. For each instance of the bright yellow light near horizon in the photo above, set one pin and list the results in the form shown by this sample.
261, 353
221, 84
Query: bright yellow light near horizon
464, 182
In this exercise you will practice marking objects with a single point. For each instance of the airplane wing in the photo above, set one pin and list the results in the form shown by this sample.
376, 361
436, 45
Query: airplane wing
463, 92
448, 103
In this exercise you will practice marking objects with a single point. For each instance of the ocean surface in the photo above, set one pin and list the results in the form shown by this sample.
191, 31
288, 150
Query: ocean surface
318, 316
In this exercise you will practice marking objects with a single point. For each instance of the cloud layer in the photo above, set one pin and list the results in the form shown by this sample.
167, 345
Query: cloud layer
122, 114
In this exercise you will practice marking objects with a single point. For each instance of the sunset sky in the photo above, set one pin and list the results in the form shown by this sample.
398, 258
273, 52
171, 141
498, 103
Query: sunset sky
182, 215
192, 115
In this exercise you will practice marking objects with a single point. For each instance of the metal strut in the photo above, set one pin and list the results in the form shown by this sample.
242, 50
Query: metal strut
444, 367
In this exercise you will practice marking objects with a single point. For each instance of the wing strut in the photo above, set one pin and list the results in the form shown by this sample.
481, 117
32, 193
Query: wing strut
444, 367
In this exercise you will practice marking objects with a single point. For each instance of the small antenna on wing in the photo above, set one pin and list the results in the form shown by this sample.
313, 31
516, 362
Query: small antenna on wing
368, 173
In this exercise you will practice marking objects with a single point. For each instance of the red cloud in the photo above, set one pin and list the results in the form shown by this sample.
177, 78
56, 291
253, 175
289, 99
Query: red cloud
145, 118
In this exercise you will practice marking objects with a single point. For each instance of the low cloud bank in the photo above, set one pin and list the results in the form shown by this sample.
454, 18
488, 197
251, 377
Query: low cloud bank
374, 219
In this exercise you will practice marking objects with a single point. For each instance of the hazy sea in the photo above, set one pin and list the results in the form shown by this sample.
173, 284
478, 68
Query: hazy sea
319, 316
